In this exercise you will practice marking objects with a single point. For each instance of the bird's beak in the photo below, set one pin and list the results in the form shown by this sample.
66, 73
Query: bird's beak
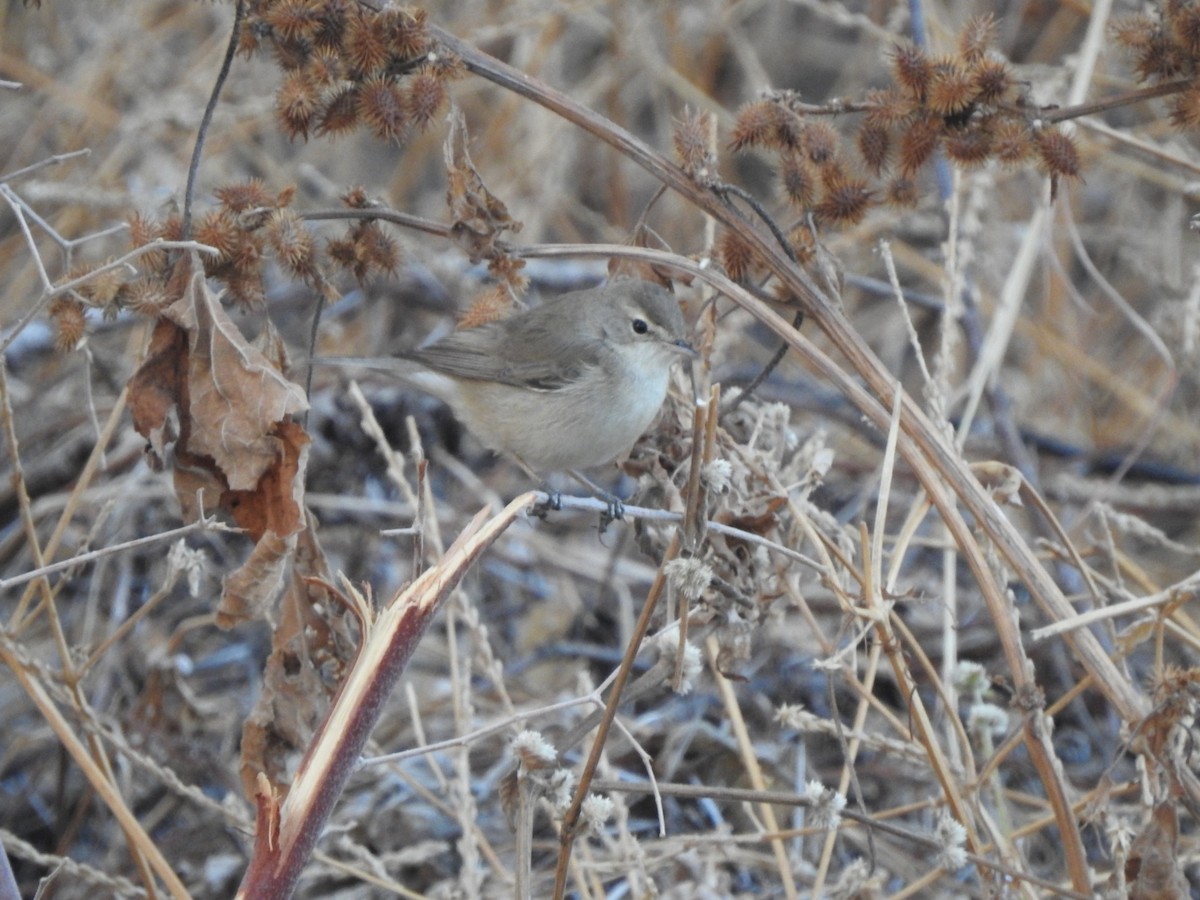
683, 347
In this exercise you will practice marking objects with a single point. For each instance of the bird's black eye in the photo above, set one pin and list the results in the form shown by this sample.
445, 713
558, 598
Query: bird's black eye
640, 326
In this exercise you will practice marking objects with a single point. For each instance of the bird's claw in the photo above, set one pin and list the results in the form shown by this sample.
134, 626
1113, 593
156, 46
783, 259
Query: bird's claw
614, 512
552, 503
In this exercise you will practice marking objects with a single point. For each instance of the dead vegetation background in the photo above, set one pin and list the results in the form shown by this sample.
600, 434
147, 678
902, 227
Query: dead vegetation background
843, 650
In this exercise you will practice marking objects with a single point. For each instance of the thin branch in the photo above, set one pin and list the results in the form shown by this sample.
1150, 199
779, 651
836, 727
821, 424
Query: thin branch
206, 120
57, 159
202, 524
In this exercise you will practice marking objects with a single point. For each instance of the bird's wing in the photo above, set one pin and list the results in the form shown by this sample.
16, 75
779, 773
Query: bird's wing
546, 361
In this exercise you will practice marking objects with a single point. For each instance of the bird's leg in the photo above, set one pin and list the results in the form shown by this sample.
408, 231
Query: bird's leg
553, 501
616, 508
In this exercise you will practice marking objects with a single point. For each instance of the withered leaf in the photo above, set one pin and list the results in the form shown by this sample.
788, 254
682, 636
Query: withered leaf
237, 396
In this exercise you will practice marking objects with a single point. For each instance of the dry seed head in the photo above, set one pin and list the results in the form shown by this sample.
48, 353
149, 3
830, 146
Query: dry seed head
888, 108
969, 147
341, 112
1185, 109
1012, 141
70, 323
296, 102
1185, 28
101, 288
912, 69
365, 47
951, 87
756, 125
146, 296
874, 142
691, 144
144, 230
382, 106
976, 37
689, 576
1136, 31
293, 243
1057, 153
356, 198
405, 30
845, 201
344, 253
826, 805
1161, 59
325, 69
241, 196
951, 837
736, 255
218, 230
534, 751
293, 20
992, 80
378, 251
596, 810
488, 306
804, 248
426, 96
798, 179
819, 142
918, 142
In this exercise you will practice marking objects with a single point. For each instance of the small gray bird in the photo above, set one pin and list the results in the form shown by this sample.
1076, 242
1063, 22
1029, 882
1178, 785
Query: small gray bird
569, 384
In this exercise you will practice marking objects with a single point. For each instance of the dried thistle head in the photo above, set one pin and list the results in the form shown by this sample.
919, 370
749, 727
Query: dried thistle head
912, 70
951, 87
292, 243
70, 322
489, 305
736, 255
976, 36
756, 125
874, 145
799, 180
1057, 154
845, 200
690, 137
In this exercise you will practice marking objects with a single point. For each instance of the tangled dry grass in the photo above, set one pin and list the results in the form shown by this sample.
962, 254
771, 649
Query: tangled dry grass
915, 616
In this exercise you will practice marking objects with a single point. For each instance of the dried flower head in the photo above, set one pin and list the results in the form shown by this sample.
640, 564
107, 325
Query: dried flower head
596, 810
382, 107
819, 142
918, 142
426, 97
991, 80
951, 837
825, 805
844, 202
689, 576
1057, 153
912, 70
70, 323
969, 147
534, 751
1012, 141
976, 36
293, 243
874, 143
799, 180
489, 305
951, 87
691, 144
756, 125
737, 257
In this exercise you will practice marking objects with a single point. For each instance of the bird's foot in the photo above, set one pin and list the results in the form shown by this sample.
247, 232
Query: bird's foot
552, 503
